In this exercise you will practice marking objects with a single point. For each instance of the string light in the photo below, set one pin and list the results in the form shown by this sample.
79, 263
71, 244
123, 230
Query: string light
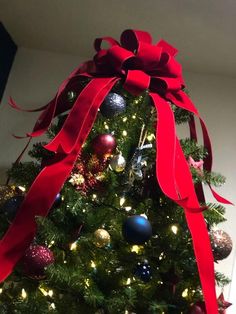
73, 246
122, 201
135, 248
22, 188
128, 208
93, 265
1, 290
134, 116
128, 281
44, 292
125, 119
51, 243
174, 229
185, 293
124, 133
53, 306
150, 137
23, 294
161, 256
87, 282
50, 293
94, 196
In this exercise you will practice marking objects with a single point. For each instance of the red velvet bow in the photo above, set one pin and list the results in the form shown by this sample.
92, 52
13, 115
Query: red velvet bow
140, 66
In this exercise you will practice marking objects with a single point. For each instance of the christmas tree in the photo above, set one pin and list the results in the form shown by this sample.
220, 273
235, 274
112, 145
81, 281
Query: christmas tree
112, 241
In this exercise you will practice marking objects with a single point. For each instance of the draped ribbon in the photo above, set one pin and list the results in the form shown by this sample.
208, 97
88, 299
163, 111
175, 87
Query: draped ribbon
139, 65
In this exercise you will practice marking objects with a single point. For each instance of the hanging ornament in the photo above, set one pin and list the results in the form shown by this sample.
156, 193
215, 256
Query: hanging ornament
102, 238
118, 163
7, 192
221, 244
171, 278
143, 271
35, 260
10, 207
104, 144
223, 305
113, 105
136, 230
71, 96
58, 200
197, 308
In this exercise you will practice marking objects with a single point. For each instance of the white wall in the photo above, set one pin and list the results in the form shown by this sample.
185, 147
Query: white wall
36, 75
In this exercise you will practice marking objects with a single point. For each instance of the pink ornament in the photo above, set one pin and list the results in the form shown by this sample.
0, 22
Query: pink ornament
36, 258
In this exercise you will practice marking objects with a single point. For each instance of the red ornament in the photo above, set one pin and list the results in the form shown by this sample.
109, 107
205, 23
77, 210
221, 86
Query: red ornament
36, 258
104, 144
198, 308
223, 305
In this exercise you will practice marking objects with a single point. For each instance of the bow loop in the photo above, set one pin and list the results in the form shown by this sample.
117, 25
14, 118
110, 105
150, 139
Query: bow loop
130, 39
98, 42
149, 56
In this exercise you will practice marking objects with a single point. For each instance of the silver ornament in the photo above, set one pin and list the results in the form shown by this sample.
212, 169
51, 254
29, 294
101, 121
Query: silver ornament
118, 163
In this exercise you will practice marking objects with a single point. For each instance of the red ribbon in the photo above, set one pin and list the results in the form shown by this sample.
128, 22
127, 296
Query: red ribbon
140, 65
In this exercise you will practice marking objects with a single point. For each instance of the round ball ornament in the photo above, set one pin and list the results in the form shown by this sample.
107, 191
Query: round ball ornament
136, 230
102, 238
104, 144
143, 271
35, 260
197, 308
10, 207
113, 105
221, 244
118, 163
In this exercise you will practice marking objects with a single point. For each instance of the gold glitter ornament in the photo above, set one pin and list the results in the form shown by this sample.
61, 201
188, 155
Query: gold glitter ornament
7, 192
102, 238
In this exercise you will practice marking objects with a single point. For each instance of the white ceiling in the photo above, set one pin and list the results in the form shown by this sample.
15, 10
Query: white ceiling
203, 30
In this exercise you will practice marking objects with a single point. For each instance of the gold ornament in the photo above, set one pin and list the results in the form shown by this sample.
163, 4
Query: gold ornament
77, 179
102, 238
8, 191
118, 163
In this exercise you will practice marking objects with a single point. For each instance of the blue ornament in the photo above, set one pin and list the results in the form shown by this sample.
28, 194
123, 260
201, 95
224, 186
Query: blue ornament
113, 104
137, 230
57, 201
143, 271
11, 206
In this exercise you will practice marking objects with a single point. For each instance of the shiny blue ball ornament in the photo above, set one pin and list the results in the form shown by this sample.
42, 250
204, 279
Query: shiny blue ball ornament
113, 105
10, 207
143, 271
136, 230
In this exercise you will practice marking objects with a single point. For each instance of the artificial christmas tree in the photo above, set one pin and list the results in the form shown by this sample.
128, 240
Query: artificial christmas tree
115, 239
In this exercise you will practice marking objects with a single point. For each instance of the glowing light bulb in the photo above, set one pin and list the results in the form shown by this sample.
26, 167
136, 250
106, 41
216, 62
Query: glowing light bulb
174, 229
22, 188
135, 248
23, 293
185, 293
73, 246
1, 290
87, 282
150, 137
124, 133
128, 281
51, 243
44, 292
122, 201
93, 265
128, 208
53, 306
50, 293
94, 196
134, 116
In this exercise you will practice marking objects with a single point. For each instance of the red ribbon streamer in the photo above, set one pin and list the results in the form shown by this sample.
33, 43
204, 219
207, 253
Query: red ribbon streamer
139, 65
